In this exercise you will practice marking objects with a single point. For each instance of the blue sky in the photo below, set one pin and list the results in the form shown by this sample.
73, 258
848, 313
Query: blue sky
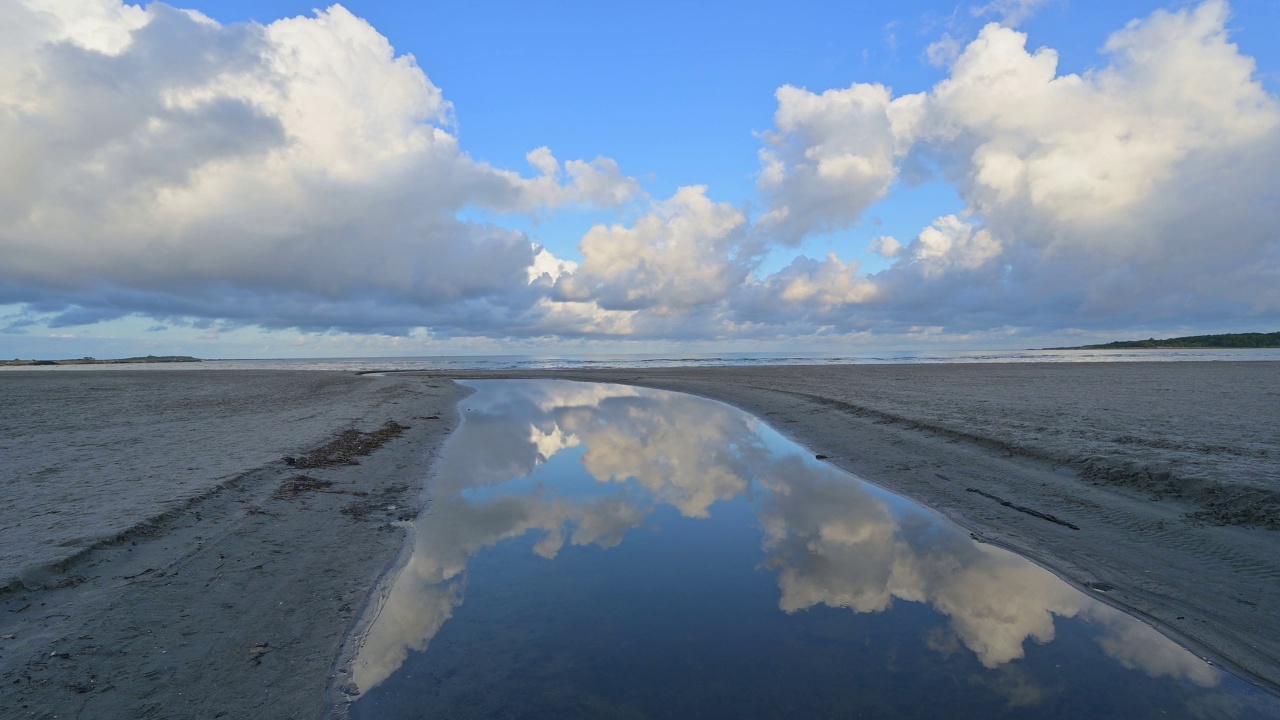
677, 91
406, 244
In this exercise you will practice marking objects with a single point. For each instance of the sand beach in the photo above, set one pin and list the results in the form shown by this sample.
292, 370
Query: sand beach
203, 574
222, 549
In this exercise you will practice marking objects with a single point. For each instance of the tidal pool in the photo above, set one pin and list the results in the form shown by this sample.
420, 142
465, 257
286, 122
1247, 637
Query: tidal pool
603, 551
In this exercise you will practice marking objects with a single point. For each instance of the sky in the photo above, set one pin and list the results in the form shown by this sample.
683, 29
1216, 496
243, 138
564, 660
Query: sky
268, 179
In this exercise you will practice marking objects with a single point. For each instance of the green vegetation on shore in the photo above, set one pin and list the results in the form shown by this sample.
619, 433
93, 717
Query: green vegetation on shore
1228, 340
95, 361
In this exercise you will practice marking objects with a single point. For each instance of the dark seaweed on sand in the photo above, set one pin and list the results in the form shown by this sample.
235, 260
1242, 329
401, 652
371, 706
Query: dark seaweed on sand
347, 446
300, 486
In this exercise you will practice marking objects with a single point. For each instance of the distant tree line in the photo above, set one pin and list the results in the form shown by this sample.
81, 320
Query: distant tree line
115, 361
1228, 340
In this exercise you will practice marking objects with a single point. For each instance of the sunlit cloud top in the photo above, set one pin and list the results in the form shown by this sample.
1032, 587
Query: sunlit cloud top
304, 175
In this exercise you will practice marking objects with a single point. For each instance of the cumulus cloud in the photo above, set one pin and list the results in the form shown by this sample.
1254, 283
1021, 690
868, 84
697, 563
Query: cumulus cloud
825, 284
885, 246
806, 292
1140, 191
1078, 150
301, 174
1137, 192
831, 156
948, 244
1113, 182
687, 252
943, 51
239, 171
599, 182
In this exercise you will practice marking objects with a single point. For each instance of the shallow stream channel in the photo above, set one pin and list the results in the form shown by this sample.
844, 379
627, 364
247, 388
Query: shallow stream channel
605, 551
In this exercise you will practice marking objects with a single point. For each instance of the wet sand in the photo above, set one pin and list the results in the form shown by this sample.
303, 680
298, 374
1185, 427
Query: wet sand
234, 599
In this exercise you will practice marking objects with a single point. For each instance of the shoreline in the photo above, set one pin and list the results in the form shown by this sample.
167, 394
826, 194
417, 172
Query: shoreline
253, 599
339, 685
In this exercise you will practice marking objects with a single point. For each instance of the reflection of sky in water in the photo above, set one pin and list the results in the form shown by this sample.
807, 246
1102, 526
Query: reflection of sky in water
626, 553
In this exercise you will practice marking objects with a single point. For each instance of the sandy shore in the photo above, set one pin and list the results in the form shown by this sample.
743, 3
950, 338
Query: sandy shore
231, 595
234, 598
1171, 471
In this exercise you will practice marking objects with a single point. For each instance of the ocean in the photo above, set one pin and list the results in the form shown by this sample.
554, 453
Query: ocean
543, 362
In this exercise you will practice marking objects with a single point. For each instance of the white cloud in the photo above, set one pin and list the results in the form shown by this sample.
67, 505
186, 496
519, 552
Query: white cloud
102, 27
1080, 149
943, 51
950, 243
1138, 192
1115, 182
832, 155
886, 246
573, 318
548, 266
302, 175
237, 171
599, 182
820, 285
686, 252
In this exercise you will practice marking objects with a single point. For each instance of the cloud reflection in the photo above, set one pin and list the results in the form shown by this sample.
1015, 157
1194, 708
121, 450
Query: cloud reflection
830, 539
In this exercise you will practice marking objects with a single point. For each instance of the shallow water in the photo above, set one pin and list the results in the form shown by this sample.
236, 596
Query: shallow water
535, 362
603, 551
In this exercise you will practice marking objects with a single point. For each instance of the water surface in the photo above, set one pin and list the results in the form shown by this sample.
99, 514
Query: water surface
638, 360
601, 551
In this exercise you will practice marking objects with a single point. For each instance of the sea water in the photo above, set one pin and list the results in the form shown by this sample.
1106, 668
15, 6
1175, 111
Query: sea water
651, 360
